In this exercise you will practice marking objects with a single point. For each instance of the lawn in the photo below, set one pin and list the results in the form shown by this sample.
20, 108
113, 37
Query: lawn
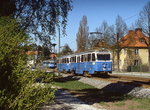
105, 99
73, 85
128, 103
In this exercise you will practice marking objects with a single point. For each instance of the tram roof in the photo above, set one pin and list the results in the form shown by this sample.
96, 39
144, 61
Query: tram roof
87, 52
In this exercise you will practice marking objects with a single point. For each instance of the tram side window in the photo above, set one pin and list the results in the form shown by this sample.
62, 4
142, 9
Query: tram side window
70, 59
93, 56
85, 57
78, 59
75, 59
89, 57
67, 60
82, 58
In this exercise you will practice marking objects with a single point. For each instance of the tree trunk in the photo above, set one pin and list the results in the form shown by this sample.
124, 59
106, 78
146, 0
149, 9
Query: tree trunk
118, 60
113, 59
149, 53
118, 54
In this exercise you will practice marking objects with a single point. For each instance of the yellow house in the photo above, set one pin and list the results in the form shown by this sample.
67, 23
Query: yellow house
134, 52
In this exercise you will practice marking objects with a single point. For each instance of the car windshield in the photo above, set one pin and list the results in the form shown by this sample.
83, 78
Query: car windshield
103, 56
51, 63
45, 62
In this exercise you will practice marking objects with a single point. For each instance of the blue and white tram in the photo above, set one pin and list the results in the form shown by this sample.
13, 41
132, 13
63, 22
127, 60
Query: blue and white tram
89, 62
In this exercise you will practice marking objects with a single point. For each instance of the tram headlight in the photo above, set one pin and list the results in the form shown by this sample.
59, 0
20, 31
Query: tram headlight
104, 67
93, 63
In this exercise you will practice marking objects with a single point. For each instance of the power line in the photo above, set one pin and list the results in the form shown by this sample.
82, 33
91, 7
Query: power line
131, 17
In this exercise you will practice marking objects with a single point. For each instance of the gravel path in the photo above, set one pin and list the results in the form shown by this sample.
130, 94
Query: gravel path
118, 87
65, 101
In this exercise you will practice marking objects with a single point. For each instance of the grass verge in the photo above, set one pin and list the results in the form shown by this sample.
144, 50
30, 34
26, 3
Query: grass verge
73, 85
128, 103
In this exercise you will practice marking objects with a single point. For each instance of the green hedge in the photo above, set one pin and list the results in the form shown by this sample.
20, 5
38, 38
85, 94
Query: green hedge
140, 68
18, 88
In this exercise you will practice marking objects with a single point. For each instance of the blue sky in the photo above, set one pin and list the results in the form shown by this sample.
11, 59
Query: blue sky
97, 11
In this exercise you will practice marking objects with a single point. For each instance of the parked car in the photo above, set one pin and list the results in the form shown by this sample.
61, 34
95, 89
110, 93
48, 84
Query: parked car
49, 64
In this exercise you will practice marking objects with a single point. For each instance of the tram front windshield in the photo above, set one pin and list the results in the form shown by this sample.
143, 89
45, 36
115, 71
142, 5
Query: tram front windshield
103, 56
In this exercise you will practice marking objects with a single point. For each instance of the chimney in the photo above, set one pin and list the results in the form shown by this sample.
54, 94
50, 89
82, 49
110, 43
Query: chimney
138, 29
130, 31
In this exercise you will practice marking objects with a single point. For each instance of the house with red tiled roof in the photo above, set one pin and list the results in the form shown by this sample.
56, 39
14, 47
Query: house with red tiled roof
134, 39
32, 57
52, 56
134, 51
32, 52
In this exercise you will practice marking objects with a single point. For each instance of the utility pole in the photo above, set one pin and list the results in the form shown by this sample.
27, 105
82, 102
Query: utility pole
54, 47
149, 49
58, 39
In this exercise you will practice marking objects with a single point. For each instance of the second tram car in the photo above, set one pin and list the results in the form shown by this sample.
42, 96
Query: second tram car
87, 62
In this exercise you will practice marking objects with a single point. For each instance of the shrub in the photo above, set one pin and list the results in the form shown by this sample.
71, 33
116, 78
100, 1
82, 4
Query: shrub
32, 94
140, 68
18, 89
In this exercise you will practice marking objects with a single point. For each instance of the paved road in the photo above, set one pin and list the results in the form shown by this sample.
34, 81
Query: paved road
65, 101
135, 74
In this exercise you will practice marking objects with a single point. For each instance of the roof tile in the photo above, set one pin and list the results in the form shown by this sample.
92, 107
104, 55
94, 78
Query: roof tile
134, 39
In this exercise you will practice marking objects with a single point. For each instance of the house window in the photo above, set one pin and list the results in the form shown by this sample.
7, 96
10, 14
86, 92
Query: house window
142, 40
136, 62
136, 51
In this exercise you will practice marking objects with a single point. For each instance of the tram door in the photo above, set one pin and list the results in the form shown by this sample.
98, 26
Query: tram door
78, 64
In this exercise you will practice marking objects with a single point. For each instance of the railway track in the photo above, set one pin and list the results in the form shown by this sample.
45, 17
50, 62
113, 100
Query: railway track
130, 80
124, 79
